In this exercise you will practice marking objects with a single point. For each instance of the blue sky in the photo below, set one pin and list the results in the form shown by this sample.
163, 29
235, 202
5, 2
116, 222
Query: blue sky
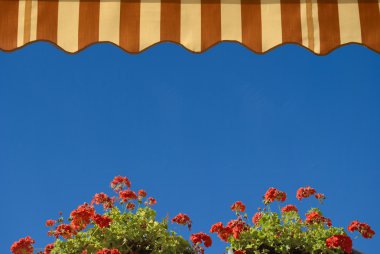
197, 131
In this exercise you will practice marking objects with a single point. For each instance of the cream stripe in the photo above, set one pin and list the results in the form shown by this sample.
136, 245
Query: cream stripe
271, 23
109, 21
305, 34
150, 19
21, 23
68, 24
191, 24
231, 20
317, 43
33, 21
349, 21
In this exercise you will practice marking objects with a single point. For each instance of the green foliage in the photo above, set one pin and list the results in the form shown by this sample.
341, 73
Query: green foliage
129, 232
285, 233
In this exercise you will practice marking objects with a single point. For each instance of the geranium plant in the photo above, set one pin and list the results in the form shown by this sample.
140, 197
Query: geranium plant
126, 224
122, 224
286, 231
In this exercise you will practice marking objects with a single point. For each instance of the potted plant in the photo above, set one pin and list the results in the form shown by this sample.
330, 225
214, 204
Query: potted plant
121, 224
286, 231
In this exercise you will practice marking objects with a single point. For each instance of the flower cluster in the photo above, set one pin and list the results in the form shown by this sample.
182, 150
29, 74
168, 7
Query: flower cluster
256, 218
102, 221
50, 223
127, 195
108, 251
223, 232
23, 246
48, 248
90, 229
65, 231
122, 186
199, 238
286, 231
182, 219
151, 201
363, 228
238, 206
315, 217
305, 192
289, 208
81, 216
320, 197
233, 228
342, 242
120, 182
103, 199
274, 194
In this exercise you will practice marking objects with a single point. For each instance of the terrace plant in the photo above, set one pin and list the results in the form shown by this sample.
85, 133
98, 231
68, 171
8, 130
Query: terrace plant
126, 225
285, 231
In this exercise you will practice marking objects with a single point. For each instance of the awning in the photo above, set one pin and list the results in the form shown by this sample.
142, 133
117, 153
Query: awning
197, 25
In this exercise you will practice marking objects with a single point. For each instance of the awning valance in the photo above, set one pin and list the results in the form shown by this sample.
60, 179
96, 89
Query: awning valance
134, 25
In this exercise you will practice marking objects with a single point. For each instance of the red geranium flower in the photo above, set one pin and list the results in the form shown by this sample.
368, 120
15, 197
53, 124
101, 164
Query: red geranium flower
320, 197
238, 206
130, 206
256, 218
103, 221
81, 216
141, 193
273, 194
223, 232
101, 198
151, 201
108, 251
23, 246
48, 248
50, 223
315, 217
363, 228
237, 226
239, 252
305, 192
200, 237
289, 208
217, 227
182, 219
119, 182
126, 195
64, 230
340, 241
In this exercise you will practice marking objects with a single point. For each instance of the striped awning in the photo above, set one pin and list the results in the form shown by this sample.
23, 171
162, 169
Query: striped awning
135, 25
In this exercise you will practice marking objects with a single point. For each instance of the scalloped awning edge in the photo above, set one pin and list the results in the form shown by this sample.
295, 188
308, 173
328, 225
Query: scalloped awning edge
135, 25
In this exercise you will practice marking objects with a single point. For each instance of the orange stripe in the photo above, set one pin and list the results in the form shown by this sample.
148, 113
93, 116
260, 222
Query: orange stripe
328, 25
251, 24
130, 25
291, 21
88, 22
8, 24
211, 31
370, 23
171, 20
47, 20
